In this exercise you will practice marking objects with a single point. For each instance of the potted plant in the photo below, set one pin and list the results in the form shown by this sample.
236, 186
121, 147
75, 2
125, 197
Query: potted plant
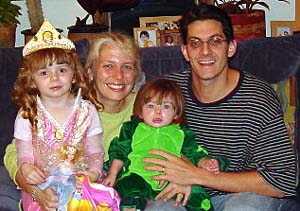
8, 23
98, 10
247, 21
36, 18
242, 6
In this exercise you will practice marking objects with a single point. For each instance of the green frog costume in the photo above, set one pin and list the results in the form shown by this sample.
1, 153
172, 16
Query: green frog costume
136, 139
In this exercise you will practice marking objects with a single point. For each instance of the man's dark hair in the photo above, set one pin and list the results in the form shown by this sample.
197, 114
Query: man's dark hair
206, 12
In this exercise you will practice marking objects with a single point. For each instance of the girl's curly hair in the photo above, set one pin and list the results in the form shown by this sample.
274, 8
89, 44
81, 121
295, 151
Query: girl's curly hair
25, 91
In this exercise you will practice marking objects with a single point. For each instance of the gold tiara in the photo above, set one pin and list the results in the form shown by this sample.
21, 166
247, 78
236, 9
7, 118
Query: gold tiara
47, 37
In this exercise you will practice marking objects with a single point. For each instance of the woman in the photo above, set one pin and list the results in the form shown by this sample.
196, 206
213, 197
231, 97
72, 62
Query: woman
113, 63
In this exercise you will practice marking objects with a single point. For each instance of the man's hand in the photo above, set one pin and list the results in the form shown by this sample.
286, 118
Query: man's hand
176, 170
183, 193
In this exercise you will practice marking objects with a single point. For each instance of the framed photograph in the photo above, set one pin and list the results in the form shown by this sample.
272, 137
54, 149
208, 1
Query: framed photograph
146, 36
285, 26
282, 28
287, 94
297, 16
283, 31
170, 37
161, 22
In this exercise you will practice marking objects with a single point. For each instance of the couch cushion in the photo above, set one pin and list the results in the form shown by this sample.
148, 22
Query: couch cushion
157, 61
9, 194
273, 59
9, 61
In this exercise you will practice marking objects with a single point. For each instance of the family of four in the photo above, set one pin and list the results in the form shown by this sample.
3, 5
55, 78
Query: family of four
206, 138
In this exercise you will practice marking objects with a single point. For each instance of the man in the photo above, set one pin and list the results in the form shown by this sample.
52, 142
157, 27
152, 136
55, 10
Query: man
234, 115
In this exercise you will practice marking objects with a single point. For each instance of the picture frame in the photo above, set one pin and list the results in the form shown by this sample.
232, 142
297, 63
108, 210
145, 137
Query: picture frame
161, 22
287, 95
293, 25
170, 37
146, 36
282, 28
297, 17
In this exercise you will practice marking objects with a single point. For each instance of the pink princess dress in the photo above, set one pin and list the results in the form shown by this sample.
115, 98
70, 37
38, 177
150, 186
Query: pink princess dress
45, 149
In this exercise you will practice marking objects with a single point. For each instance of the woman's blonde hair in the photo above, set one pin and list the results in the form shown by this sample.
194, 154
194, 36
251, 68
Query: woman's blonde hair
25, 92
122, 41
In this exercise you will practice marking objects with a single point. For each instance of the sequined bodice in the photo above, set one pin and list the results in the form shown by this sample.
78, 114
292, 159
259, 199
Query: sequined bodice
52, 137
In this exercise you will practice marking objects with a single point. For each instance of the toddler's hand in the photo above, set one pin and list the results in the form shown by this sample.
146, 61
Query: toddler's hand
211, 165
110, 180
32, 174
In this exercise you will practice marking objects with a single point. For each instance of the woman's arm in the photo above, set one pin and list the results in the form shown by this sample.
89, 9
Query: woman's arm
10, 160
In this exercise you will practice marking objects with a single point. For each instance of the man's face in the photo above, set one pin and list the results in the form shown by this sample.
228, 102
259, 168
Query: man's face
207, 49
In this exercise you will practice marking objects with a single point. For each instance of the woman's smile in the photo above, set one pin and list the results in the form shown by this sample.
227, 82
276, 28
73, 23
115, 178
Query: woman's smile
116, 87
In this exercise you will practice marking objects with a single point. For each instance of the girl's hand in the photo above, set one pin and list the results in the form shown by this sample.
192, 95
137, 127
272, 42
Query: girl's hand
32, 174
79, 178
47, 199
110, 180
183, 193
93, 175
78, 182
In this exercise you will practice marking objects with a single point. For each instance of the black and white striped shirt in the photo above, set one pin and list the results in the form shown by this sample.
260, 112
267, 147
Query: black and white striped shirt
246, 127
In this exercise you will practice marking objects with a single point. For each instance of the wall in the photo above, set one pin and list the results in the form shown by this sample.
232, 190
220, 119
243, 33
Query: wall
63, 13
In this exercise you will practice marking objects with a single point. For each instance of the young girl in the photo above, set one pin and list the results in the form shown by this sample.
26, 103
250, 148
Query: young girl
157, 114
57, 119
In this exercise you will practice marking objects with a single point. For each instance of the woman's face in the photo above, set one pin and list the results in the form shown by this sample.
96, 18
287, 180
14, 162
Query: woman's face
114, 74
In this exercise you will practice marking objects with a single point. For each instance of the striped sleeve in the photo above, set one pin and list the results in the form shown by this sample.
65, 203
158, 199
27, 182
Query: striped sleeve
247, 127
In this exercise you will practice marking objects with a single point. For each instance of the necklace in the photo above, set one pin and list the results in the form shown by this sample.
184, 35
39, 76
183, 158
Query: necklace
59, 132
53, 138
59, 135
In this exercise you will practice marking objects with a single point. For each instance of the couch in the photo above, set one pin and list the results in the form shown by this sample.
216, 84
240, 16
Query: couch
273, 59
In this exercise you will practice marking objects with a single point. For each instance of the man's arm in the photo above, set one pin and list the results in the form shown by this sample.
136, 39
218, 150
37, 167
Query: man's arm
249, 181
183, 172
